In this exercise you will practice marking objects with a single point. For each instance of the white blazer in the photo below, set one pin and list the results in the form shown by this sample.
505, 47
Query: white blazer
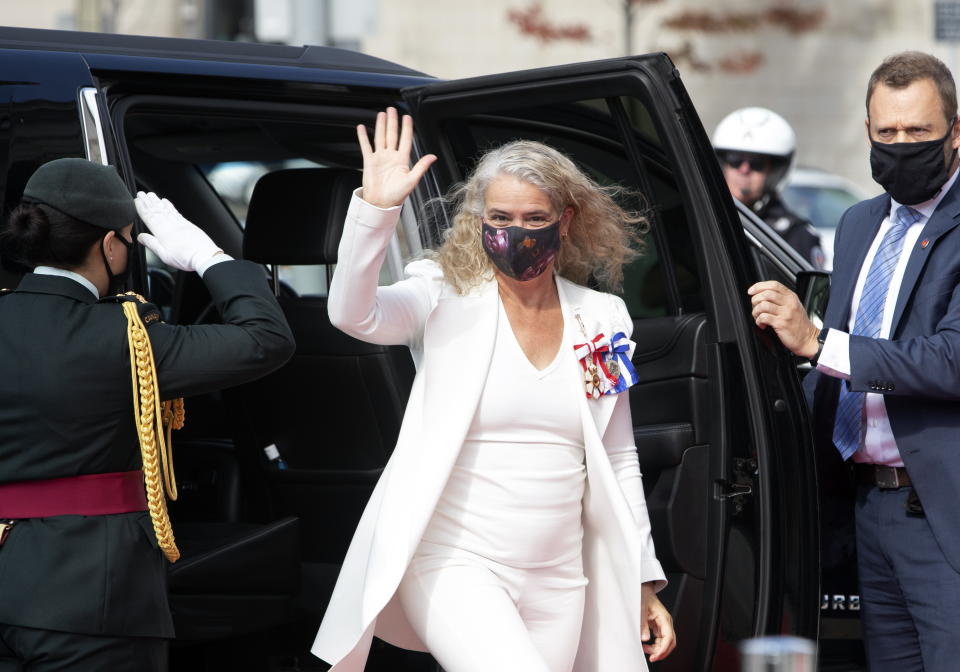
451, 338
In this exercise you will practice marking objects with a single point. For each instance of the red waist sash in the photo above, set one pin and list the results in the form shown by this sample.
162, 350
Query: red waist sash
87, 495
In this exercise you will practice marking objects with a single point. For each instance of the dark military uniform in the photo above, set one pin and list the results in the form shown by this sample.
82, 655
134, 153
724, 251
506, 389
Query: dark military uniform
797, 231
66, 409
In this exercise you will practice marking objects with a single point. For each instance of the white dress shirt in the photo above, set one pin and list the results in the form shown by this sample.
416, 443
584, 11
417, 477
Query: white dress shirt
878, 446
514, 494
64, 273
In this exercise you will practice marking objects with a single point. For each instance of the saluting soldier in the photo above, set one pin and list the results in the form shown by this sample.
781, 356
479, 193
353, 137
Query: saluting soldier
85, 537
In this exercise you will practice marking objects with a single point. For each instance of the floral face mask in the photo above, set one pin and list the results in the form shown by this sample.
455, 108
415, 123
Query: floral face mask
522, 254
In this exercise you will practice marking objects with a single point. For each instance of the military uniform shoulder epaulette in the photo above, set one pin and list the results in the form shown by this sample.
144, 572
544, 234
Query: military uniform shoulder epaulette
149, 313
5, 291
120, 298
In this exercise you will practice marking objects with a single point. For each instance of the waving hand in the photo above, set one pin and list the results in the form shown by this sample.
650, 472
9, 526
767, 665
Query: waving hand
387, 176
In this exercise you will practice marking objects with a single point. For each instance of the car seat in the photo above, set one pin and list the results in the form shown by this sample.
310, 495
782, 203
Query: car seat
334, 410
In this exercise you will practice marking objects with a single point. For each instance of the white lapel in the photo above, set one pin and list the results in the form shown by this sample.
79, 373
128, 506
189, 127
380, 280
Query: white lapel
458, 341
577, 301
458, 345
610, 556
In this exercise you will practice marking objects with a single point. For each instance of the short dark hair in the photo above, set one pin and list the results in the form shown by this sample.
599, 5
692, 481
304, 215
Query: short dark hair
901, 70
38, 235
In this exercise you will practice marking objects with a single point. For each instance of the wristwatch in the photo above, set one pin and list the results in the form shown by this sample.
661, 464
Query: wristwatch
821, 337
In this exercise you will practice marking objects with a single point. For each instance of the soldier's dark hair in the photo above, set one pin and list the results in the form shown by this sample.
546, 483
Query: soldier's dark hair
901, 70
37, 235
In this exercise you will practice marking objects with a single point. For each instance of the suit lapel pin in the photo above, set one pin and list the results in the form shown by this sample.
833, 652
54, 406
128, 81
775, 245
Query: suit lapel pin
924, 243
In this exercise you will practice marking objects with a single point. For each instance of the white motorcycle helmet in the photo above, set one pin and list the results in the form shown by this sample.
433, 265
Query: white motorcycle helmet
758, 130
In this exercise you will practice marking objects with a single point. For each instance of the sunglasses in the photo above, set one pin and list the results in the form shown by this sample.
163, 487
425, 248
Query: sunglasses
736, 159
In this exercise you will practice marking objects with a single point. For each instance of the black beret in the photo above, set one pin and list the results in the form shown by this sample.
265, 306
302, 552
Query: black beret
88, 191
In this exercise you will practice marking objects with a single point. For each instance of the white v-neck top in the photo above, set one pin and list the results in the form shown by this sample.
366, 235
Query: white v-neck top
514, 495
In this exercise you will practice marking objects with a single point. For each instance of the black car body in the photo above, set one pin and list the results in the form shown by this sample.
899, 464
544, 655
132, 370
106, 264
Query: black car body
721, 426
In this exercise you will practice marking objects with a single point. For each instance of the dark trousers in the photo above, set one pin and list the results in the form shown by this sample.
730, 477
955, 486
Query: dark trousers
909, 593
30, 650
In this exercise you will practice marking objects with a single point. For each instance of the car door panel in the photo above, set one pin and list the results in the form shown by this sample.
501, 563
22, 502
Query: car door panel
662, 445
665, 404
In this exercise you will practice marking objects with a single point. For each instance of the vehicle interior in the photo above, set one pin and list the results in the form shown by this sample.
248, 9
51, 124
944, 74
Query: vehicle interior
270, 183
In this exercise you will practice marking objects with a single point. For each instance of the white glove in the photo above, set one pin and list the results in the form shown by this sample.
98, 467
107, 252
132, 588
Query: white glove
178, 242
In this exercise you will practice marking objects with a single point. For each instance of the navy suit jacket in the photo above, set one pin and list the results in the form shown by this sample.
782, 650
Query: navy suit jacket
918, 368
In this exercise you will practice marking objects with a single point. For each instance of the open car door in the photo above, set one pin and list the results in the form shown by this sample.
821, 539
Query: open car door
720, 423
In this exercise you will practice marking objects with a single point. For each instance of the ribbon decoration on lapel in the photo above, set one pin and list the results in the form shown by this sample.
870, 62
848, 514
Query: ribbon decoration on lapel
594, 350
620, 365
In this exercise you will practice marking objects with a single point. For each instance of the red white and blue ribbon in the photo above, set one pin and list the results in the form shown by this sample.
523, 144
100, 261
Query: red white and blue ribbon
620, 353
596, 356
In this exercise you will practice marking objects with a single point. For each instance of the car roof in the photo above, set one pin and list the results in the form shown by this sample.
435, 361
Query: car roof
326, 58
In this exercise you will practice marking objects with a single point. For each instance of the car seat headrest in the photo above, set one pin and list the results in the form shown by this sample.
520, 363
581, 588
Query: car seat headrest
295, 216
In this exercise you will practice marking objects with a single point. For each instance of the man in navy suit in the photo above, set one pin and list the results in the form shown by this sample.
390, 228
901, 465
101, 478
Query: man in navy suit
886, 390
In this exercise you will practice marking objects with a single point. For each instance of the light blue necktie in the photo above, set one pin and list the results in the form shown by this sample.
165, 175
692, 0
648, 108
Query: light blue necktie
848, 427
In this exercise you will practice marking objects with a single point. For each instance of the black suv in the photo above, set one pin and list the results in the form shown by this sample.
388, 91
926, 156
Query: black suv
273, 475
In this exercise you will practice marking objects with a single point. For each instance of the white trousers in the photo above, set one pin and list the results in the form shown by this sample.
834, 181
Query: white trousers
476, 615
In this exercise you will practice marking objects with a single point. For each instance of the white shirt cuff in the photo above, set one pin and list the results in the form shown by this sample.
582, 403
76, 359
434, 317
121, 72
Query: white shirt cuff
835, 356
358, 192
212, 261
371, 216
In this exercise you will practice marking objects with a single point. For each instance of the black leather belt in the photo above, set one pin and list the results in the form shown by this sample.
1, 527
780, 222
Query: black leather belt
885, 478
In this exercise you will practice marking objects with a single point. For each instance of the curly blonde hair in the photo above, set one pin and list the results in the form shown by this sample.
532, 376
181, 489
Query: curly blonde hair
601, 238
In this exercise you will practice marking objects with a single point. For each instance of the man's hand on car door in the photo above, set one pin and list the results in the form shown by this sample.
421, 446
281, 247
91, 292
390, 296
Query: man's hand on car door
777, 307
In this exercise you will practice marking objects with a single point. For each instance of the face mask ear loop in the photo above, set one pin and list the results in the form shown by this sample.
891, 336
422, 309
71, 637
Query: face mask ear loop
953, 150
115, 282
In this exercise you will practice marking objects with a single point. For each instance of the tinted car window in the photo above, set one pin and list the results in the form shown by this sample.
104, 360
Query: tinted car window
665, 279
670, 217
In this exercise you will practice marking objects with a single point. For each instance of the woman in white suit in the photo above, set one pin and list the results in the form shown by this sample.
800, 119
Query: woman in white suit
508, 531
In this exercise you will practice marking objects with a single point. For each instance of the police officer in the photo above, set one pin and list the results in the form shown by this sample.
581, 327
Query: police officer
84, 538
756, 148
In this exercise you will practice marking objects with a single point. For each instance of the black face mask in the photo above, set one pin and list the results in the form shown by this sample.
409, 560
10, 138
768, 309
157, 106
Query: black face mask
911, 172
116, 282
